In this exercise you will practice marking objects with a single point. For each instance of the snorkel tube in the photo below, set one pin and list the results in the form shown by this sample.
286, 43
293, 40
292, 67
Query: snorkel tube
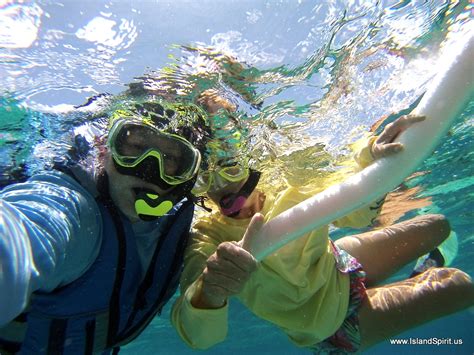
447, 96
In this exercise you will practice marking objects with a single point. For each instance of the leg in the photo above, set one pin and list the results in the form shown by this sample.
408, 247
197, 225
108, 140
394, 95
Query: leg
385, 251
391, 309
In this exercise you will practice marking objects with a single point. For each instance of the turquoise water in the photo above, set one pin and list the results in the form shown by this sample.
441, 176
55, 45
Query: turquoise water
324, 72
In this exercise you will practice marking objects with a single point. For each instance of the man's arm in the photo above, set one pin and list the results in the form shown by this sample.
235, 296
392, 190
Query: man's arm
50, 235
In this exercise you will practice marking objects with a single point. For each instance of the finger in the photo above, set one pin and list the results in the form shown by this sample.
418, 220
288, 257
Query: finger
234, 253
227, 284
415, 118
388, 134
227, 267
217, 291
388, 149
392, 130
404, 122
252, 231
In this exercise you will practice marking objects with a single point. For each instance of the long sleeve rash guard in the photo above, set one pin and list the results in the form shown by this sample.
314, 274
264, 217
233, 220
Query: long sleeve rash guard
50, 233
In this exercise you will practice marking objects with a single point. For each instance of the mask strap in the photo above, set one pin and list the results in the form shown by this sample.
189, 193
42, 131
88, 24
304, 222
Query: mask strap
231, 204
148, 170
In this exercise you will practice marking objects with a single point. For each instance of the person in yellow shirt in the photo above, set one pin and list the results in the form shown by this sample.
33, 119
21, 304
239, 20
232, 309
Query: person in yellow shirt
323, 295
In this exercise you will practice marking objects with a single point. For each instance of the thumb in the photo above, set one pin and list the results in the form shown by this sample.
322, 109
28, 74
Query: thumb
252, 231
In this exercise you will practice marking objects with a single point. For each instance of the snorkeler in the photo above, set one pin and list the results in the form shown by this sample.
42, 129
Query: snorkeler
324, 295
92, 250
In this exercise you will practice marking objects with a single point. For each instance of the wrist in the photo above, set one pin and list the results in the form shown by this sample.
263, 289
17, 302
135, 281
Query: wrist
204, 299
371, 144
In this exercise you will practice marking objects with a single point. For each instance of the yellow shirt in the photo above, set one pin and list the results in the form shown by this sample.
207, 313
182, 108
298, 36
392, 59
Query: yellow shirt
298, 288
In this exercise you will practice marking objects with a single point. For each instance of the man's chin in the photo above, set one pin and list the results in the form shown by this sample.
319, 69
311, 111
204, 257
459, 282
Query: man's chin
134, 218
129, 212
127, 206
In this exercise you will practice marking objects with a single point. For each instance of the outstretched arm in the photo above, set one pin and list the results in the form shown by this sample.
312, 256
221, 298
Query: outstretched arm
50, 234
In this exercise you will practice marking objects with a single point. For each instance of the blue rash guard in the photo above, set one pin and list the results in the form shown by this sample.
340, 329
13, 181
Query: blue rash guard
77, 270
42, 244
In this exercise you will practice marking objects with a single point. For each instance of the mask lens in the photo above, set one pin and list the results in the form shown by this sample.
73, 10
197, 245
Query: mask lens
130, 141
134, 143
179, 157
234, 173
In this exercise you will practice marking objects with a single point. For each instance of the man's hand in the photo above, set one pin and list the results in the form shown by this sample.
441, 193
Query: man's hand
227, 270
384, 145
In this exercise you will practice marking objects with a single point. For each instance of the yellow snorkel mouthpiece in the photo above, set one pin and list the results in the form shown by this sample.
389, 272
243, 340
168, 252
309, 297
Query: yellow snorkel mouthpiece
149, 206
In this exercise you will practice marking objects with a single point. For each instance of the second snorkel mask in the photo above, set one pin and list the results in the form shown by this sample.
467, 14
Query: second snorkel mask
228, 171
231, 204
157, 142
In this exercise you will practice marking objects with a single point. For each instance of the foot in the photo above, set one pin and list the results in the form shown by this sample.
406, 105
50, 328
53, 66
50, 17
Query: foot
443, 255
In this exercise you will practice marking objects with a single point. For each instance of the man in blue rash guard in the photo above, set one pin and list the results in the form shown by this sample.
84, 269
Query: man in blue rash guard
91, 250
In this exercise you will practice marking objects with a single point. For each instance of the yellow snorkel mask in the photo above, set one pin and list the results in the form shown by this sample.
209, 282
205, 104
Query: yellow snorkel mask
228, 171
170, 156
225, 171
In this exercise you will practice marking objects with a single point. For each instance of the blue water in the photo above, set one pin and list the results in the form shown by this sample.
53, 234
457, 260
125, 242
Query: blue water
325, 71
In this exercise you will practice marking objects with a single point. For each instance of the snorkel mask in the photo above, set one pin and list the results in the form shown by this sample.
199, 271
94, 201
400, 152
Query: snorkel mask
231, 204
158, 143
219, 176
224, 172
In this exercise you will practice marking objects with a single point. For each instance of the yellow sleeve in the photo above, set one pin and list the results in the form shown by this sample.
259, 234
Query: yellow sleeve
199, 328
366, 215
363, 151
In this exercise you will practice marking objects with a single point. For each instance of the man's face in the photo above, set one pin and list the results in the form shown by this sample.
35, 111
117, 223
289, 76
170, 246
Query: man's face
144, 165
122, 189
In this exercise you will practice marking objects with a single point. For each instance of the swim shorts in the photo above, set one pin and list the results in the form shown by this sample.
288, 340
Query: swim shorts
347, 338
